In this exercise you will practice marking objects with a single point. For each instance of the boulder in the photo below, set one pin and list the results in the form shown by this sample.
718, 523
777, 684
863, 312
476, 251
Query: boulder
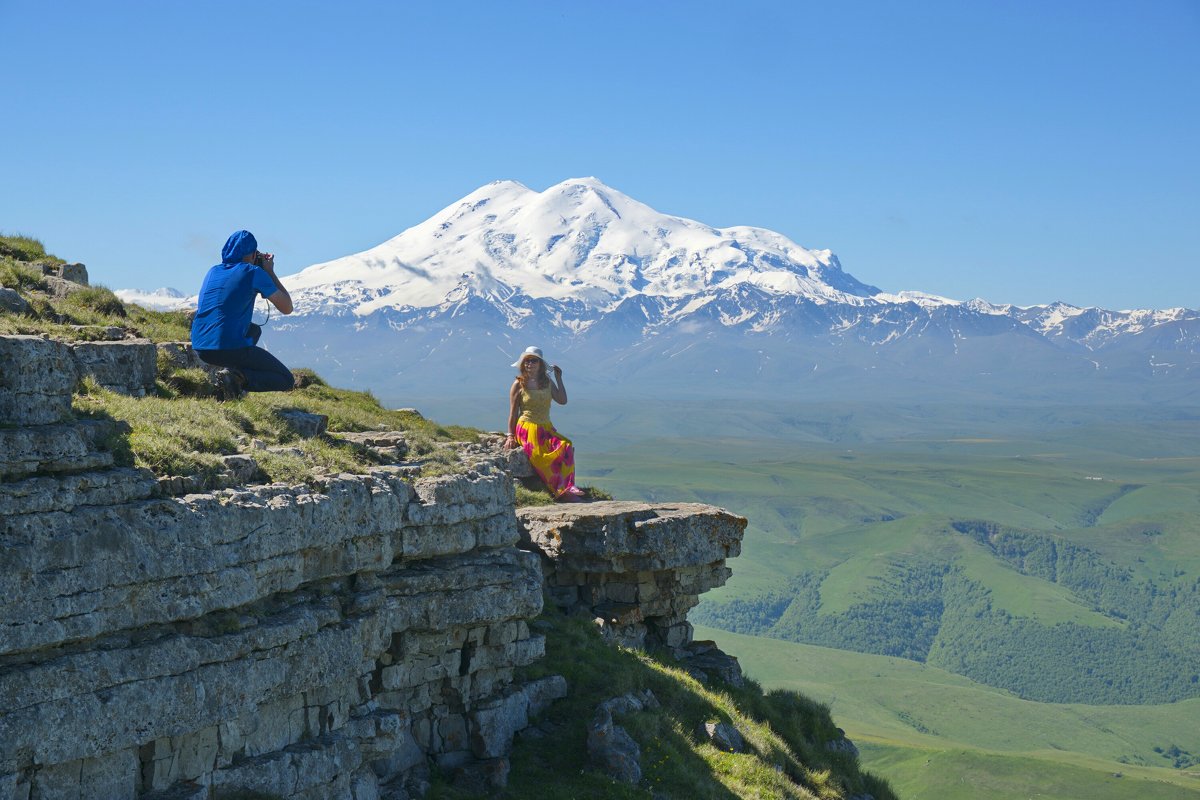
612, 750
10, 300
723, 736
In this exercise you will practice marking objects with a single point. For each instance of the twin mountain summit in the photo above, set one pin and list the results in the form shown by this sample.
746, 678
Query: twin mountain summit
619, 293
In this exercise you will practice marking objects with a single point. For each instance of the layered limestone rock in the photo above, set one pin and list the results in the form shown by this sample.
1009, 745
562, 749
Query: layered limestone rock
327, 641
128, 366
118, 363
36, 380
636, 568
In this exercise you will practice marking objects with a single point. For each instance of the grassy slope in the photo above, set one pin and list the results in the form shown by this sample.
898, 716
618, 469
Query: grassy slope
786, 733
183, 430
935, 734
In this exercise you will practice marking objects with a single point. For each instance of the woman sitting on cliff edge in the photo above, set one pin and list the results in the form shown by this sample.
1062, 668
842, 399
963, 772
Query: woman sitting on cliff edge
551, 454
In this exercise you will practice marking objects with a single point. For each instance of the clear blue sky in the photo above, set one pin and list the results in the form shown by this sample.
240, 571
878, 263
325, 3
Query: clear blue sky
1023, 151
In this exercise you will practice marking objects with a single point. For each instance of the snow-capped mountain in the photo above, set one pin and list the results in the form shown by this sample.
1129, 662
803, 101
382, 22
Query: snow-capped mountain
164, 299
597, 276
579, 242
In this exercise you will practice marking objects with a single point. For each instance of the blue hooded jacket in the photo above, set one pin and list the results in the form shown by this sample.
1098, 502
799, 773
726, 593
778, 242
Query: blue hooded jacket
238, 246
227, 297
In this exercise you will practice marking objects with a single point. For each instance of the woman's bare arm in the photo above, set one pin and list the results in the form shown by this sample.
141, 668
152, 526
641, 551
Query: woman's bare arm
558, 391
514, 409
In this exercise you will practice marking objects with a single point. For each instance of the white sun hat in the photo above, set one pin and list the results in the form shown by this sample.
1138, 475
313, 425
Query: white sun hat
529, 351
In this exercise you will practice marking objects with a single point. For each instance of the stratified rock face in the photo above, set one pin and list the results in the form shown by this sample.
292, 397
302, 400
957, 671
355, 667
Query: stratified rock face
304, 642
36, 379
127, 367
325, 642
637, 568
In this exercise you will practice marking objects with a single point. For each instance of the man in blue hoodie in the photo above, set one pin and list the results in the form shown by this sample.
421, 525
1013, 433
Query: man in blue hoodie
222, 334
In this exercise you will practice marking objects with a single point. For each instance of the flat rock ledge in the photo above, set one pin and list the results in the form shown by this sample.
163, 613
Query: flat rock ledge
636, 568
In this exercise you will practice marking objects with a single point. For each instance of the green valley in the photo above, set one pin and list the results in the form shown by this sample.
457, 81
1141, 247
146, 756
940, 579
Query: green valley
1004, 601
934, 734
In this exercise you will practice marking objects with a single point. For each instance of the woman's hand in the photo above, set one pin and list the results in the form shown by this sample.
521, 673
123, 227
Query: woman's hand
557, 370
510, 442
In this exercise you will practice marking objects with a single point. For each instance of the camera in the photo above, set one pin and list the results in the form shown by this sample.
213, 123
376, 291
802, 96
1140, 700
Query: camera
259, 259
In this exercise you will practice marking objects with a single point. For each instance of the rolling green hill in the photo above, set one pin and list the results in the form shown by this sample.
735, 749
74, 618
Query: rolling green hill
934, 734
1061, 571
1012, 556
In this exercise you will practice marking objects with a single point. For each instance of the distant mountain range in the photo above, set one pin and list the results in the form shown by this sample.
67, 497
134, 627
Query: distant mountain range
624, 296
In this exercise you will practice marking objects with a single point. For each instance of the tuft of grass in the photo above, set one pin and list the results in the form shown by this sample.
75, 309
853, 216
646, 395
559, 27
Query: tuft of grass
595, 493
15, 275
173, 381
532, 497
286, 466
158, 326
532, 492
306, 377
95, 302
24, 248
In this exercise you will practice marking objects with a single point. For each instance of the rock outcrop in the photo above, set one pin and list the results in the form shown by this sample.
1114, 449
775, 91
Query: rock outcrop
326, 641
323, 642
634, 567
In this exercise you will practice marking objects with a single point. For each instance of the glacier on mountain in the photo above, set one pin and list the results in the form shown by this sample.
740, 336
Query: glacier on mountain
579, 241
585, 249
608, 281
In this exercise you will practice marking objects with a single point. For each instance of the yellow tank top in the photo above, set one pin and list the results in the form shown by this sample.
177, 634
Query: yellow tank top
535, 405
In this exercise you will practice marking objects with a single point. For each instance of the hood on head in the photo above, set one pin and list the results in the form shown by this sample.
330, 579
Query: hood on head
238, 246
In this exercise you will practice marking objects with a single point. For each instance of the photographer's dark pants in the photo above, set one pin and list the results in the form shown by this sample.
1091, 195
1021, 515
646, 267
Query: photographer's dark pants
263, 371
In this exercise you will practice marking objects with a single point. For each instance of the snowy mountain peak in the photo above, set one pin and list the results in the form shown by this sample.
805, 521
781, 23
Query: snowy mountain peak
579, 240
162, 299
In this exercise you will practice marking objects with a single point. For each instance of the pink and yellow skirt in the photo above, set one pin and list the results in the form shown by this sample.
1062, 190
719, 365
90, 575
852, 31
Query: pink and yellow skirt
551, 455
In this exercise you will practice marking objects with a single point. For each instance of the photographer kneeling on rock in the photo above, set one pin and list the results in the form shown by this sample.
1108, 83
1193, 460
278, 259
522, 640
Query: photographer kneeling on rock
222, 333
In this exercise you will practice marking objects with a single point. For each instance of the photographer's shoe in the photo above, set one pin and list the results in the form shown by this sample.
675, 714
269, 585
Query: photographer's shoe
230, 385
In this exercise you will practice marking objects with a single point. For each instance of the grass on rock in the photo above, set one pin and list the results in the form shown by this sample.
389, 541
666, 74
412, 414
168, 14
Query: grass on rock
183, 429
177, 434
785, 733
532, 492
83, 312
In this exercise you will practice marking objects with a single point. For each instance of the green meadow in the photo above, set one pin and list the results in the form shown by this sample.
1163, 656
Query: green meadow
995, 603
934, 734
